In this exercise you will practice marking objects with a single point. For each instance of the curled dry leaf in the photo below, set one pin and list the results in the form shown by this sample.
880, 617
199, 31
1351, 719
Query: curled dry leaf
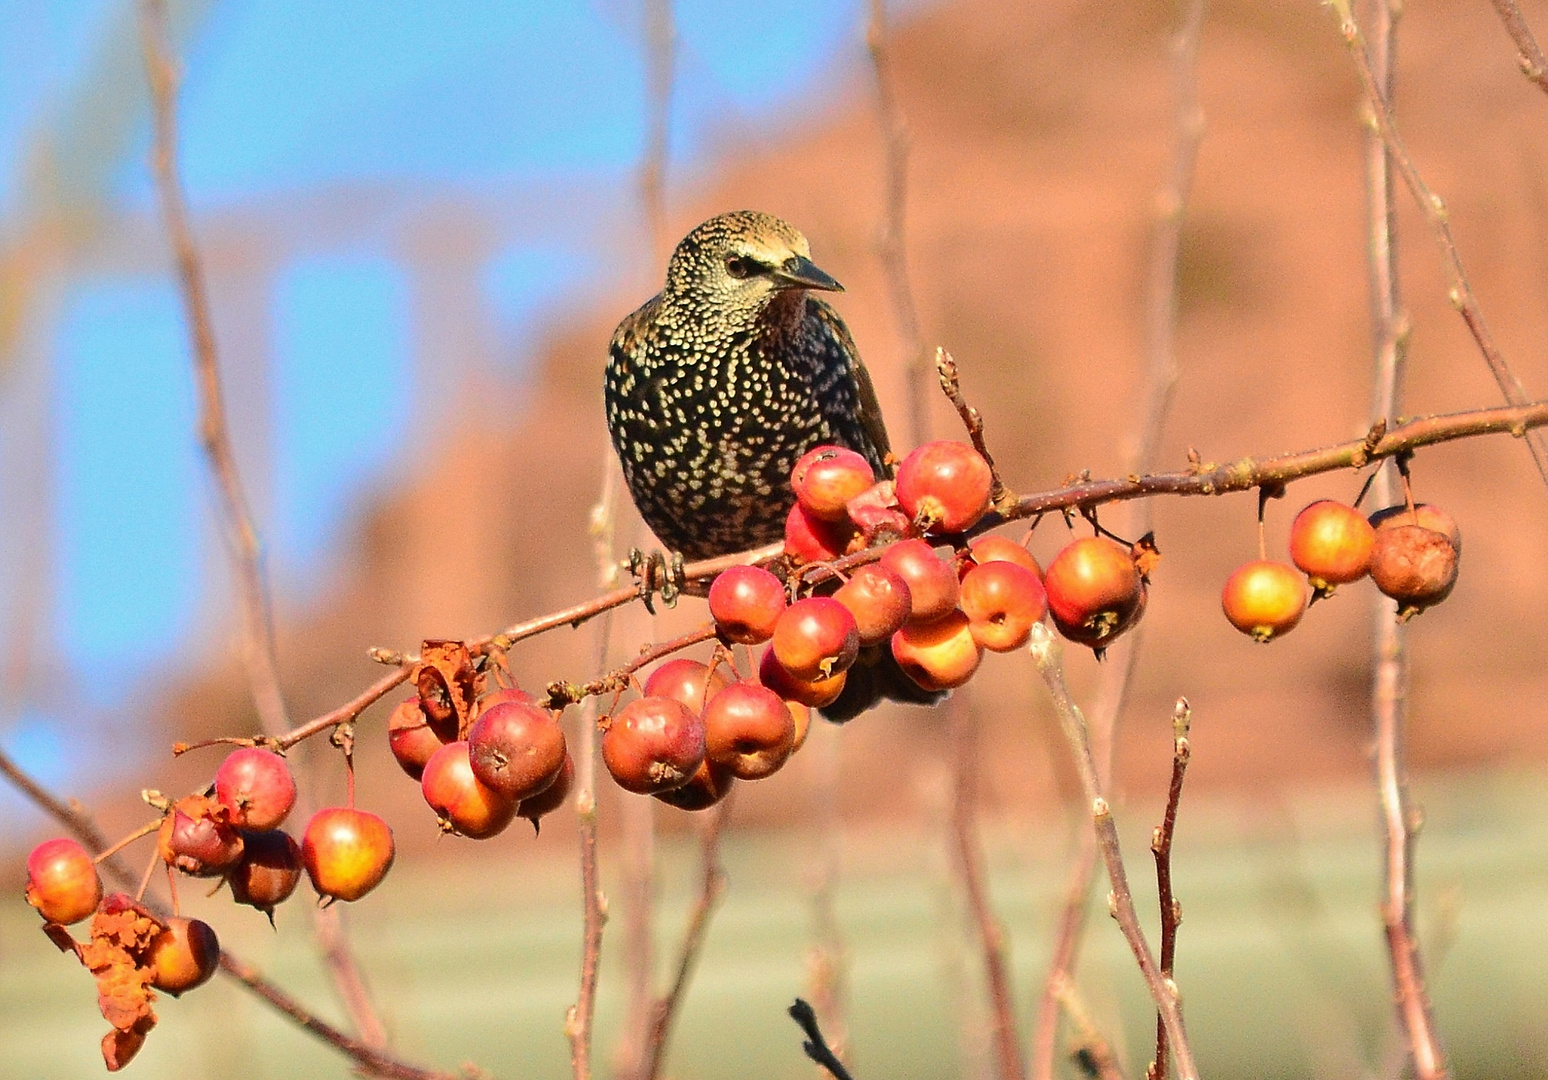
447, 686
121, 933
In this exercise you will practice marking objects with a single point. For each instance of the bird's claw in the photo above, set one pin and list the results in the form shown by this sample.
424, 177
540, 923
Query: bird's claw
657, 571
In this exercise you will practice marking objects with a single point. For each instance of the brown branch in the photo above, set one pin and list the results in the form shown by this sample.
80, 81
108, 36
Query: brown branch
827, 957
1533, 64
816, 1046
1390, 663
1046, 651
660, 57
712, 886
1091, 1051
242, 536
243, 543
1436, 214
970, 865
891, 242
1000, 497
1161, 374
561, 694
75, 819
1161, 848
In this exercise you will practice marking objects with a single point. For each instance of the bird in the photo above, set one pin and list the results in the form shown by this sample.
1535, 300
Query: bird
718, 384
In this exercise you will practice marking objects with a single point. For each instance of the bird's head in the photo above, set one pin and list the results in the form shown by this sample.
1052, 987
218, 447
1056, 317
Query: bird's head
744, 260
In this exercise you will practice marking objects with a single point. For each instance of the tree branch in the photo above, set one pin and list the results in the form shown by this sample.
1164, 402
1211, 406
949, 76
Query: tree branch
1533, 65
1161, 848
1436, 214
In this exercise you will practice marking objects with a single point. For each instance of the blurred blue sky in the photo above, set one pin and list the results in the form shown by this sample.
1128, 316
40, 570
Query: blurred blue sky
282, 99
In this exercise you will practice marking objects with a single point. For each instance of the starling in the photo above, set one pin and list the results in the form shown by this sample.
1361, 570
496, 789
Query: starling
718, 385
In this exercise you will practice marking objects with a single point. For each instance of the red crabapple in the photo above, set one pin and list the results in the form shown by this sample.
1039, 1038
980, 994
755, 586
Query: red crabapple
1264, 599
183, 956
464, 803
932, 583
944, 486
346, 852
748, 729
653, 744
256, 788
1095, 592
62, 881
816, 638
827, 477
879, 599
939, 655
746, 602
517, 749
1003, 600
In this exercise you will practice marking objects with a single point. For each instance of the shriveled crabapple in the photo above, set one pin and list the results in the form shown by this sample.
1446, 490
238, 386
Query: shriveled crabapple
809, 539
183, 956
749, 730
1414, 565
1264, 599
462, 802
827, 477
653, 744
256, 788
938, 655
746, 602
875, 512
346, 852
195, 838
686, 681
516, 748
62, 881
268, 871
944, 486
879, 599
816, 638
1003, 600
932, 582
1424, 515
1095, 590
411, 738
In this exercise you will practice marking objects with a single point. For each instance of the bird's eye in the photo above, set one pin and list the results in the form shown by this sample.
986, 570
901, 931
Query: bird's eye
739, 267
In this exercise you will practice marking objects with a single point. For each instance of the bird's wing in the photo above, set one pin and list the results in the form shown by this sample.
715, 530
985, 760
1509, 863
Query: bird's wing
870, 414
625, 345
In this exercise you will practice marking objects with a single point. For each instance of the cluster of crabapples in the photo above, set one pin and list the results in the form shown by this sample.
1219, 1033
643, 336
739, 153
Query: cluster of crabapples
1411, 552
229, 832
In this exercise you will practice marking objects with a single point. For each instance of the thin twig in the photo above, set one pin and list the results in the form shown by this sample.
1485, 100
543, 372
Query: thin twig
1161, 375
1161, 848
578, 1019
74, 818
827, 960
1000, 497
1091, 1051
214, 436
970, 865
1435, 213
1390, 663
639, 815
1533, 64
891, 242
712, 886
816, 1046
1046, 651
243, 543
561, 694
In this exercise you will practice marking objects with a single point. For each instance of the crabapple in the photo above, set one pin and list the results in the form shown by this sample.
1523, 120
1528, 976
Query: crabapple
878, 598
182, 956
1330, 542
346, 852
945, 486
686, 681
1095, 592
268, 871
746, 602
411, 738
1264, 599
1003, 600
932, 583
464, 803
516, 748
256, 788
748, 730
653, 744
814, 694
816, 638
939, 655
62, 881
827, 477
809, 539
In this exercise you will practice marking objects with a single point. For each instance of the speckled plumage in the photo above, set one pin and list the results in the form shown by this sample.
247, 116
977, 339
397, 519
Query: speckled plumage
717, 385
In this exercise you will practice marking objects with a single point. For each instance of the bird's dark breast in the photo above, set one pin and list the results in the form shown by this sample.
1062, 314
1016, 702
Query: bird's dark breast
708, 429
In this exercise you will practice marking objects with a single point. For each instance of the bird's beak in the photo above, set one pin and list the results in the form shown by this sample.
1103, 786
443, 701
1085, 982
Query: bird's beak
803, 274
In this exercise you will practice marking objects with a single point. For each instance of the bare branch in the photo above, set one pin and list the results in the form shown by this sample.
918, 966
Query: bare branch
891, 241
1533, 65
816, 1046
1390, 663
712, 886
970, 866
1438, 217
1161, 848
1046, 651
